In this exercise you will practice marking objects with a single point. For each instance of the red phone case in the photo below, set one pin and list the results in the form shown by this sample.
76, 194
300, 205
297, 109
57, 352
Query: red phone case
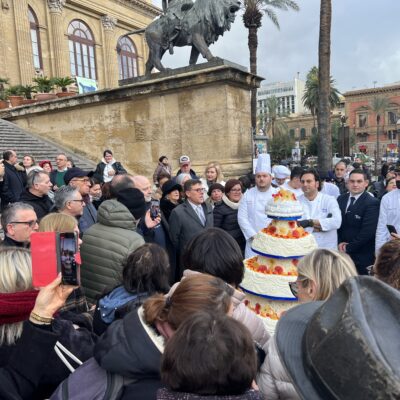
44, 250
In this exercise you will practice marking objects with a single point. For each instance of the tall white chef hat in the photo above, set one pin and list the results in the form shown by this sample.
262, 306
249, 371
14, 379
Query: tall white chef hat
263, 164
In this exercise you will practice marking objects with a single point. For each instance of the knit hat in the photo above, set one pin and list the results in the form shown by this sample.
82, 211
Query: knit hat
169, 187
215, 186
74, 173
133, 200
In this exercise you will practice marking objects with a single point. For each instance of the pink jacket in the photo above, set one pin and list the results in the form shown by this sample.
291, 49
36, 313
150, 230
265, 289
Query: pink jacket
240, 313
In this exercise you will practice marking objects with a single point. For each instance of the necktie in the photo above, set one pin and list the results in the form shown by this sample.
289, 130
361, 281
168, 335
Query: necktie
201, 215
352, 200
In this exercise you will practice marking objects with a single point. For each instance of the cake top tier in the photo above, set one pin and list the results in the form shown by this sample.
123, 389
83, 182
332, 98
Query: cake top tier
284, 205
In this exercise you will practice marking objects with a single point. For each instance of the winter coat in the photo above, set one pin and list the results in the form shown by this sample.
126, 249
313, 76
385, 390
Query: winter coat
226, 218
52, 370
98, 174
13, 184
42, 205
167, 207
165, 394
105, 247
161, 168
132, 348
273, 379
240, 313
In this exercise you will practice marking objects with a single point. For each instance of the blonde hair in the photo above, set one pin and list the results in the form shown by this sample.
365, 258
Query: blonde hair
57, 222
15, 276
218, 169
328, 269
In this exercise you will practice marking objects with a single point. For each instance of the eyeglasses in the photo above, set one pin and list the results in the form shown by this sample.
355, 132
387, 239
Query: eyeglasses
80, 201
236, 190
370, 270
31, 224
200, 190
85, 180
294, 286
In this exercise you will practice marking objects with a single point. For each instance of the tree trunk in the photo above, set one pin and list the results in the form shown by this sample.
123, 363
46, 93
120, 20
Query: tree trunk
253, 44
377, 155
324, 115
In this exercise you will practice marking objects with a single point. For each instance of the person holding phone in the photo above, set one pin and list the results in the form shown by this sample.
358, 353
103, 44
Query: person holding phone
19, 302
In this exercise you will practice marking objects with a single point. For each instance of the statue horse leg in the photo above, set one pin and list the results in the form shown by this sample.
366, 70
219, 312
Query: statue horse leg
201, 46
194, 55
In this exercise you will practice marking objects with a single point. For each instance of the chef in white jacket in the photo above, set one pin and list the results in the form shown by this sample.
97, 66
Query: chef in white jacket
322, 216
251, 214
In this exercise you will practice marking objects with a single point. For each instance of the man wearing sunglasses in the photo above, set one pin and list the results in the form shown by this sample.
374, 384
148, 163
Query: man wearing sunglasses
18, 221
79, 179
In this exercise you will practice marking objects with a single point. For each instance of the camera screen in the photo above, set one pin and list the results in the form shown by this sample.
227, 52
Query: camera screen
69, 267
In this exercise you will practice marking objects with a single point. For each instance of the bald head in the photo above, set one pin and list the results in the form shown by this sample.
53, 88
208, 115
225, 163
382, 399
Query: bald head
144, 185
121, 182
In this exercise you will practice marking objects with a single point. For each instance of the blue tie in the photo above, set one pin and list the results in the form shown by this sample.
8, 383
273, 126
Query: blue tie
201, 215
352, 200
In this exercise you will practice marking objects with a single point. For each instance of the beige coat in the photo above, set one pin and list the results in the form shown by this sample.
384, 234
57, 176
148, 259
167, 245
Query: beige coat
240, 313
272, 379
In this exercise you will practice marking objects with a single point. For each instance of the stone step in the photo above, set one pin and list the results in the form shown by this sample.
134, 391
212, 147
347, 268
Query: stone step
24, 142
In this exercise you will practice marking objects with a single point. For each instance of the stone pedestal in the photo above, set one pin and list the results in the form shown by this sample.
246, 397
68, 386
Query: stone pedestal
201, 111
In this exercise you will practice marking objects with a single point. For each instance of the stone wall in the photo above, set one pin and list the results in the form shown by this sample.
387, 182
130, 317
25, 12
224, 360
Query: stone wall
202, 111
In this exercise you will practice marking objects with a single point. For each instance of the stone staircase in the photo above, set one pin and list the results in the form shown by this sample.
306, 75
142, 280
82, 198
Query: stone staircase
23, 142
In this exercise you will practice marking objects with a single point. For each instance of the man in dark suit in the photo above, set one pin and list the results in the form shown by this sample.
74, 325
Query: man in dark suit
191, 217
360, 212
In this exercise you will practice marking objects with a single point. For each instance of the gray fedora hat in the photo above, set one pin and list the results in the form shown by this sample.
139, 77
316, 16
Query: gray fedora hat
347, 347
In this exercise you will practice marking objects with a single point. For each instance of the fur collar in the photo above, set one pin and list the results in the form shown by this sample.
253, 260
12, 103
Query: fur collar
230, 203
156, 338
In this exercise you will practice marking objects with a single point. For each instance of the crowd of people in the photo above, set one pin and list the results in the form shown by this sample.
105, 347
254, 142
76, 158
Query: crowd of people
159, 313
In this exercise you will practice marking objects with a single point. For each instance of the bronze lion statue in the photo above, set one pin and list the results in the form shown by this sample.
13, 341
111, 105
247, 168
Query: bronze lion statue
186, 23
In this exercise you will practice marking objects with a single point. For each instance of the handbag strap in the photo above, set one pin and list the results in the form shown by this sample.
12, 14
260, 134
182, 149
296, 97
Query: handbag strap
60, 349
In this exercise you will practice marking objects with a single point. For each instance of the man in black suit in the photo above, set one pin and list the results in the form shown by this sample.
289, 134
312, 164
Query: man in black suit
191, 217
360, 212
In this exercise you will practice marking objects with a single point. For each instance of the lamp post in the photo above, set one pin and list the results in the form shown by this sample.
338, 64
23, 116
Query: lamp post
398, 138
343, 120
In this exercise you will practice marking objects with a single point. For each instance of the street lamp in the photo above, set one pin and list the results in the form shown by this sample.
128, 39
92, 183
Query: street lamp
398, 138
343, 120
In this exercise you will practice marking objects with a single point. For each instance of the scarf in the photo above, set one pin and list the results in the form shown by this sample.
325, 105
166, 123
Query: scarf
16, 307
230, 203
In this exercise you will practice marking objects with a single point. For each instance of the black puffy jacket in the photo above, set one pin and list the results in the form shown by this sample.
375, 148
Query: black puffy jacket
226, 218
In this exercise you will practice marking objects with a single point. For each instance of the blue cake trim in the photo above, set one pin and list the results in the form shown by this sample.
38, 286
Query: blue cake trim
272, 256
284, 218
269, 297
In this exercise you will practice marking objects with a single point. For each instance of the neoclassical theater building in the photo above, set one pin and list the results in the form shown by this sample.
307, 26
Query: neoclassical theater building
76, 38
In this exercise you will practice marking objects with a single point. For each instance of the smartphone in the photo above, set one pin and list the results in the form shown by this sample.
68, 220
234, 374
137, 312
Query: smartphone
154, 209
67, 249
391, 229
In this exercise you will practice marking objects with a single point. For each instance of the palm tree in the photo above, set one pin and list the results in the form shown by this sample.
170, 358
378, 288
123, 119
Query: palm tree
378, 106
324, 88
252, 18
311, 97
273, 117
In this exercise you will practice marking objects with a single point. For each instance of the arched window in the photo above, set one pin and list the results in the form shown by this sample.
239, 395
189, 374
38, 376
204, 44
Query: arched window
35, 39
302, 134
291, 133
127, 58
81, 50
314, 130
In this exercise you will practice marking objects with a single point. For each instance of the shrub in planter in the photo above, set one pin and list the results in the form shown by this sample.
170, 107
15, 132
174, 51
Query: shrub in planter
15, 96
44, 86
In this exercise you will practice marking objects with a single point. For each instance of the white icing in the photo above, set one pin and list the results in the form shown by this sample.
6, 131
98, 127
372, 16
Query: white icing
285, 263
267, 244
268, 285
284, 208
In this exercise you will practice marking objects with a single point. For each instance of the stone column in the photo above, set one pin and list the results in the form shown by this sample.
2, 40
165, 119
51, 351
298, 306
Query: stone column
57, 35
110, 53
24, 48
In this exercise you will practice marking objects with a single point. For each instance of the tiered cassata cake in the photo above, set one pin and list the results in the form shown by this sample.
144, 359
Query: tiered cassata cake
279, 248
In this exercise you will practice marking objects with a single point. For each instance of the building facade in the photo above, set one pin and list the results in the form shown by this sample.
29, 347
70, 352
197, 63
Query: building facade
76, 38
362, 120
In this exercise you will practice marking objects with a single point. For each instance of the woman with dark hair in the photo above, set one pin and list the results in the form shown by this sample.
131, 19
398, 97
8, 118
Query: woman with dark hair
387, 264
216, 253
226, 212
132, 347
163, 167
145, 273
171, 197
108, 168
209, 355
390, 184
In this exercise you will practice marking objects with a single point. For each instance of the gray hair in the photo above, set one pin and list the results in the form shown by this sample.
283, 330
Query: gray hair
34, 177
63, 195
179, 179
10, 212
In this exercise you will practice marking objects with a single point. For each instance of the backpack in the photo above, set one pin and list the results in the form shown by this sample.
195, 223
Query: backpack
90, 381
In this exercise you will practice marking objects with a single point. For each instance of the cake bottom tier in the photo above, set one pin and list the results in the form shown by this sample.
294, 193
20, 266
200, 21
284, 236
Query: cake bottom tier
269, 311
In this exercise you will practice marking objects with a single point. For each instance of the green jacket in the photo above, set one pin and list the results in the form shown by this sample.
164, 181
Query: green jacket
105, 247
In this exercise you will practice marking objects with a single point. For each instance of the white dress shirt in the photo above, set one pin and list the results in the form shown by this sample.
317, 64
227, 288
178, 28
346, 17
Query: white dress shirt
251, 214
389, 214
319, 209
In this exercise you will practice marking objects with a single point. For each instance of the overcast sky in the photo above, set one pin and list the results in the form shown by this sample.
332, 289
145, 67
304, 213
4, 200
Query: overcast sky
365, 44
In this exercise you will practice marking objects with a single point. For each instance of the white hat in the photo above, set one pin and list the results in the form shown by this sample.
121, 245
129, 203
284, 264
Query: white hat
184, 160
263, 164
281, 172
